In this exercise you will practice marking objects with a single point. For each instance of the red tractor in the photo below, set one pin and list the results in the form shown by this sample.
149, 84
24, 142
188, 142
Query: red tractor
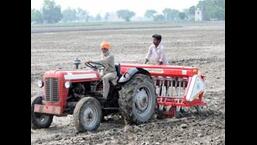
137, 93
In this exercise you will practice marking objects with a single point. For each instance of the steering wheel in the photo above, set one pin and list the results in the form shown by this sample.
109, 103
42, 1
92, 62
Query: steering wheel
95, 65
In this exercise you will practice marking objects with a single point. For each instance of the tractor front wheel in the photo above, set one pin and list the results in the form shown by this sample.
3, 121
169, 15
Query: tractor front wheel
39, 120
87, 114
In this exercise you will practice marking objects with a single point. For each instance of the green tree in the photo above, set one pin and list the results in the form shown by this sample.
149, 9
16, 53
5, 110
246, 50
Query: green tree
69, 15
106, 17
51, 12
36, 16
159, 18
98, 17
82, 15
182, 15
190, 13
150, 13
125, 14
170, 14
212, 9
192, 10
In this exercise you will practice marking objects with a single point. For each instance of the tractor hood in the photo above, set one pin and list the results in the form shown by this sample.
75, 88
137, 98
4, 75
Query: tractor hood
73, 76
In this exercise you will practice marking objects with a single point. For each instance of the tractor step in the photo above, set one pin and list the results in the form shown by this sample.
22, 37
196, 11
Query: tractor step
111, 108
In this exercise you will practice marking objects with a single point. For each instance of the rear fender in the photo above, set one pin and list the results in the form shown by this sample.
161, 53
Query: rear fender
130, 73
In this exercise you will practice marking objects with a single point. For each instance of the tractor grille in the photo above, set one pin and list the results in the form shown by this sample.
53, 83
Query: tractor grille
51, 89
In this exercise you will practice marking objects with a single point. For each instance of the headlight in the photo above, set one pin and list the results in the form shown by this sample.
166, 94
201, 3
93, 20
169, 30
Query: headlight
40, 83
67, 84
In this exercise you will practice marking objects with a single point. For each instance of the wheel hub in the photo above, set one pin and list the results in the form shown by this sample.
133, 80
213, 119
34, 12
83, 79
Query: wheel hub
88, 116
142, 100
40, 117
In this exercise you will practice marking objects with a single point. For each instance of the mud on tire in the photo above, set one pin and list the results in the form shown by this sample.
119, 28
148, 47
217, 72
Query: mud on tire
137, 99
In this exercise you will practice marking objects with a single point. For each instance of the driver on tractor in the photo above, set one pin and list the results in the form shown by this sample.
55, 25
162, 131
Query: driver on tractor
107, 61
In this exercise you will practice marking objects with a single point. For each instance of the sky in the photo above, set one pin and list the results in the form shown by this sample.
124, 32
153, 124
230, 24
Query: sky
95, 7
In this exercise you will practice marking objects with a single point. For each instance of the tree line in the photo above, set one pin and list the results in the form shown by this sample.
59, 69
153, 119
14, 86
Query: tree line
52, 13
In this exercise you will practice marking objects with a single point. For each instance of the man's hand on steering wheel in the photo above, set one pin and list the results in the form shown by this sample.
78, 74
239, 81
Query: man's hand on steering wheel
94, 65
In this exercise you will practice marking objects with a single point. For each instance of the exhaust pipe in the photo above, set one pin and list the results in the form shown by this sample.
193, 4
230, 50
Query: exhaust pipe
76, 62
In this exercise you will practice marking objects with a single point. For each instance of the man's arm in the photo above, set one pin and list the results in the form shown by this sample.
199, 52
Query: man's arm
105, 60
148, 55
100, 61
161, 56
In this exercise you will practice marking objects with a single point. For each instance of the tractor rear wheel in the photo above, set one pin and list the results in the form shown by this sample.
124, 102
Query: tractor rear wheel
87, 114
137, 99
39, 120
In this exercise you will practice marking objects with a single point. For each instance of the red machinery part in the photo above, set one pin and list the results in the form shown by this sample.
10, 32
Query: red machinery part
183, 86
